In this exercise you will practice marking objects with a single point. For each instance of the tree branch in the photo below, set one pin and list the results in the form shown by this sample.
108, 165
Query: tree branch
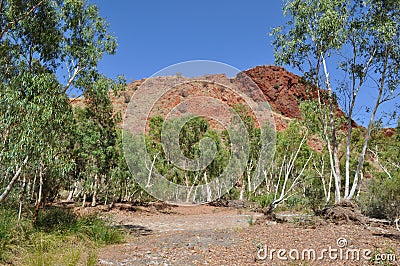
11, 23
77, 70
376, 157
12, 182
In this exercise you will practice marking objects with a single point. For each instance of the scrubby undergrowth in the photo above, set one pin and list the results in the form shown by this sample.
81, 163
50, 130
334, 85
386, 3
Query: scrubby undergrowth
59, 237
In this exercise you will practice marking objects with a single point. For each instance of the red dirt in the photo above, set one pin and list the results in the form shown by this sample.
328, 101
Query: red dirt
206, 235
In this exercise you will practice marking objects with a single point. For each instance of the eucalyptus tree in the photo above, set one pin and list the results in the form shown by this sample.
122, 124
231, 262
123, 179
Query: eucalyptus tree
96, 149
48, 49
291, 163
355, 42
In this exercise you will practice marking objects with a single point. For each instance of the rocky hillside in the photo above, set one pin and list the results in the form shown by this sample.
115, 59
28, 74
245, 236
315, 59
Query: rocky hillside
283, 90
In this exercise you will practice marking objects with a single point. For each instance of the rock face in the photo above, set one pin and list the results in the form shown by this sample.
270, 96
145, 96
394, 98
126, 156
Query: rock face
283, 90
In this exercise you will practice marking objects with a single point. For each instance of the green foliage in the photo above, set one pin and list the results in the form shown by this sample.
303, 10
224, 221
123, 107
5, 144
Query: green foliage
318, 28
47, 50
96, 147
382, 198
233, 194
121, 183
58, 237
297, 202
98, 231
287, 144
290, 165
314, 194
313, 118
264, 199
65, 222
11, 234
190, 136
36, 120
56, 220
360, 40
314, 27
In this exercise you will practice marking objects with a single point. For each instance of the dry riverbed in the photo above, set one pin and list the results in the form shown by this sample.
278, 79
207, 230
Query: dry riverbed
207, 235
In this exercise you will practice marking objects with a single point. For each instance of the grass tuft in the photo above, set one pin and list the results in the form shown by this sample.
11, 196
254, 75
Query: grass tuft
59, 237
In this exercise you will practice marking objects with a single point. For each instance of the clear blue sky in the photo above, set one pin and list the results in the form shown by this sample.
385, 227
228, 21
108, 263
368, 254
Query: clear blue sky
153, 35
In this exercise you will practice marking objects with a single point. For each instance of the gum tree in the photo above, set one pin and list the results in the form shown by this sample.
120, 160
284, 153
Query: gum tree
48, 50
95, 145
355, 42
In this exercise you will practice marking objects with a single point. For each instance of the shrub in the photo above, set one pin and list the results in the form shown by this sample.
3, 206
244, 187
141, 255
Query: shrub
98, 230
314, 194
59, 237
12, 234
56, 219
264, 199
382, 199
296, 202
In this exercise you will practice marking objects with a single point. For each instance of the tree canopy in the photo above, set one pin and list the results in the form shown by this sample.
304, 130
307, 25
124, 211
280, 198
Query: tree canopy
347, 48
49, 49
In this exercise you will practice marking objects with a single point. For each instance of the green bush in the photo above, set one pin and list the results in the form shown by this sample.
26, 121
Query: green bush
382, 198
56, 219
314, 194
263, 200
98, 231
297, 202
12, 234
233, 194
64, 221
59, 237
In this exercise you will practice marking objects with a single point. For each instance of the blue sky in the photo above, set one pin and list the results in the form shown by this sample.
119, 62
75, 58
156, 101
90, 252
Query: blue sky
153, 35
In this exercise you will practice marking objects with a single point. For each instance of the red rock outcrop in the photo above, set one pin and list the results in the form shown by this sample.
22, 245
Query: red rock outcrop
283, 90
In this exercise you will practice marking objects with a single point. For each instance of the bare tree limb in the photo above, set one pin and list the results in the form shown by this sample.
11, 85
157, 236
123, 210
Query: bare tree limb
332, 146
376, 157
151, 170
370, 126
288, 172
12, 181
355, 91
77, 70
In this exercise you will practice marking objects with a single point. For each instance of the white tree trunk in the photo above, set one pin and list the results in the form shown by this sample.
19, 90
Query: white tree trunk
11, 184
21, 198
332, 147
95, 187
368, 134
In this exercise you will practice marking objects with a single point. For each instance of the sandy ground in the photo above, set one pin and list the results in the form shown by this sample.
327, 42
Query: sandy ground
207, 235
